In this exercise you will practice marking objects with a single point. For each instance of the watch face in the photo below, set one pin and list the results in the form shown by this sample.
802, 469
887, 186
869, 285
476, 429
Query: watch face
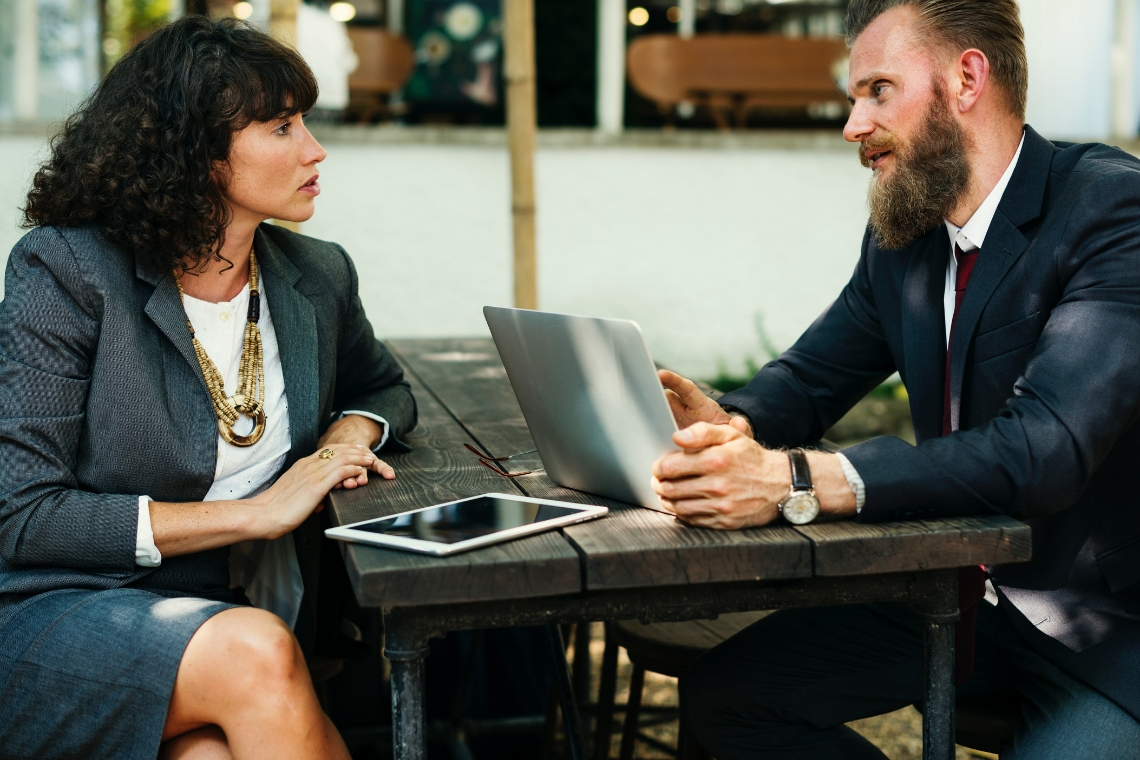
801, 508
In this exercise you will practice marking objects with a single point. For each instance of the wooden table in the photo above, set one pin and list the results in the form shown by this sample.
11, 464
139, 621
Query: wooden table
634, 563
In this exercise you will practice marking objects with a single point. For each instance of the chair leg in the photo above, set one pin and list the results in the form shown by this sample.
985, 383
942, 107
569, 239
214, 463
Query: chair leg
604, 726
582, 664
632, 713
550, 725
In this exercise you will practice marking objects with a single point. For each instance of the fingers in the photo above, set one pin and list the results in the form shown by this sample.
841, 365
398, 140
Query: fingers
341, 450
701, 435
360, 458
687, 464
703, 487
383, 469
688, 391
665, 504
741, 424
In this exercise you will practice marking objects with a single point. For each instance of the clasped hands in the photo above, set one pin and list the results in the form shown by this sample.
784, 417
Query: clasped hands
723, 478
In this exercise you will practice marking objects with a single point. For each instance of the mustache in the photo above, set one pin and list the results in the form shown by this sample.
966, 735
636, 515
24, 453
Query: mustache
880, 144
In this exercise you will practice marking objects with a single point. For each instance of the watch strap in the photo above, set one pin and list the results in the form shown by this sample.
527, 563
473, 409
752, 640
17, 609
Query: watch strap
801, 473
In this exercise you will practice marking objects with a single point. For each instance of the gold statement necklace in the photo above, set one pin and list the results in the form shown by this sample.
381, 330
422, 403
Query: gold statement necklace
249, 400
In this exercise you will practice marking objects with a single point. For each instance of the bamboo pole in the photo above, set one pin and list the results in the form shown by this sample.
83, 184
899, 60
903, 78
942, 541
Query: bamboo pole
283, 20
283, 26
518, 67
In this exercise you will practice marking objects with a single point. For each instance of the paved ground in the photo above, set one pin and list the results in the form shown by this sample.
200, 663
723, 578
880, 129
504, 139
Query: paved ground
897, 734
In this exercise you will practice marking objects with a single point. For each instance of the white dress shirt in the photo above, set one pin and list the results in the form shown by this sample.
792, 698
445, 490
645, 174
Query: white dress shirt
968, 237
267, 569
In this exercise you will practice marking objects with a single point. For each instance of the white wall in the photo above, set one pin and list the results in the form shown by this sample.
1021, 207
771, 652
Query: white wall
692, 243
1069, 45
19, 155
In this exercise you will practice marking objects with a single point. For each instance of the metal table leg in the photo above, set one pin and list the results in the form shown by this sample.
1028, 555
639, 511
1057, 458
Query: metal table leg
406, 648
566, 696
938, 621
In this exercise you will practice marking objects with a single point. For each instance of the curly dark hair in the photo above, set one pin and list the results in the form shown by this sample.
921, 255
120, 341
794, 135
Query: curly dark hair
137, 159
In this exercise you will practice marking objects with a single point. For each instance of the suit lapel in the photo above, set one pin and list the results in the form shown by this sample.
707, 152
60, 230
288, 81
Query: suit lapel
924, 331
294, 321
165, 309
1004, 245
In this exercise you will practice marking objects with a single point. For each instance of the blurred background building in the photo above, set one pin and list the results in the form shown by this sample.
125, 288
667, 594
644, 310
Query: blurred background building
708, 195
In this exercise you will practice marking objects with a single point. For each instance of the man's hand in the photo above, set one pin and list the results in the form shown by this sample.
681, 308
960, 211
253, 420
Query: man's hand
688, 403
724, 479
357, 429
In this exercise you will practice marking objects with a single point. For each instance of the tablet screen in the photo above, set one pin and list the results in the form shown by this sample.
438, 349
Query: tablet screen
452, 523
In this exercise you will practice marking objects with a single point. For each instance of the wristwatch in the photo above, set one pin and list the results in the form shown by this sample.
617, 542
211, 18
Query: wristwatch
801, 505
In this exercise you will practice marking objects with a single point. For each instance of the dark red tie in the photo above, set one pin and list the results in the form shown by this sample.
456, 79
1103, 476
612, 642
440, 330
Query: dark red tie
966, 263
971, 580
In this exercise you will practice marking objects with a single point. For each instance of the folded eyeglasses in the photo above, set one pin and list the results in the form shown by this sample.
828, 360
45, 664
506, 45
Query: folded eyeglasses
490, 462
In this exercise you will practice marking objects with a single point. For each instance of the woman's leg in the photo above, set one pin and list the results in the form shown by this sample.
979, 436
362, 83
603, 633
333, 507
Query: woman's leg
243, 671
207, 743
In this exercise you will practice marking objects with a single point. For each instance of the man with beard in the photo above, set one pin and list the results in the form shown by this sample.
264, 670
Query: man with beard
1000, 277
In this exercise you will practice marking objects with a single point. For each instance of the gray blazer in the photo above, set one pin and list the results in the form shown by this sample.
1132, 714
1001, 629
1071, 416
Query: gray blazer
102, 400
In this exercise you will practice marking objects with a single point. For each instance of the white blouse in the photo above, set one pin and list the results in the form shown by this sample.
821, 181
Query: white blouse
267, 569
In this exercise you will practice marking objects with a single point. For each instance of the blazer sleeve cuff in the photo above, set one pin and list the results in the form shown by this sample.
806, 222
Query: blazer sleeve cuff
146, 552
385, 428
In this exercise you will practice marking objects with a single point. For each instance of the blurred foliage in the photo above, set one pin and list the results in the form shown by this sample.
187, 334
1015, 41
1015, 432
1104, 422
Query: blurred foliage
726, 380
127, 22
884, 411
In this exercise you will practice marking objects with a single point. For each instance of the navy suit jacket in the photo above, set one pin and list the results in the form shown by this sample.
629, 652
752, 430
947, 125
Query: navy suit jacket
1044, 389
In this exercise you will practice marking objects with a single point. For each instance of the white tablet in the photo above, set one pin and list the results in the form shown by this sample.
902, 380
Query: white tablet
458, 526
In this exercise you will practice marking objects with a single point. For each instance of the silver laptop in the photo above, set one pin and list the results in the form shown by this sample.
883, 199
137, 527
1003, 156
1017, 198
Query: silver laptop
590, 394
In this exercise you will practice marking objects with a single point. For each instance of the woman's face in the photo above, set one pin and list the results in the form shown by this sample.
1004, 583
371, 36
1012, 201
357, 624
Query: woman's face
272, 171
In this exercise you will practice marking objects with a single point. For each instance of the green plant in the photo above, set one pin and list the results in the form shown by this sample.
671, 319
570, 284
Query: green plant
726, 380
128, 21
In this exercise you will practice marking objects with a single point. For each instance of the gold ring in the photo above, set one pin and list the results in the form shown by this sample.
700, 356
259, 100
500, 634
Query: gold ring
327, 454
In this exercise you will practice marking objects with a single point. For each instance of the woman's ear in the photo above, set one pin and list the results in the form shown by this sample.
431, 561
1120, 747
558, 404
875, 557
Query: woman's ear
221, 172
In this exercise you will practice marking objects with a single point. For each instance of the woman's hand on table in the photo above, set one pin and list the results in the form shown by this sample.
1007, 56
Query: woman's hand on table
302, 488
184, 528
357, 429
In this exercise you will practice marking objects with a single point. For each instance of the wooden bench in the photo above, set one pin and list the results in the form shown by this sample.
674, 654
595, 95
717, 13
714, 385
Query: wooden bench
736, 72
386, 63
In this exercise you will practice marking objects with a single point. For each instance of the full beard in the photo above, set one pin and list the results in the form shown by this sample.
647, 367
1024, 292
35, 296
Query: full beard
931, 175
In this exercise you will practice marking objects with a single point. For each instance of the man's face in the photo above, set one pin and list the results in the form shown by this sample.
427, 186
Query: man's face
908, 135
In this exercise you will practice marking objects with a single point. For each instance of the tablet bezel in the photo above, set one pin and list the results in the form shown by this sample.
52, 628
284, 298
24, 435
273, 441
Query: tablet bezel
346, 532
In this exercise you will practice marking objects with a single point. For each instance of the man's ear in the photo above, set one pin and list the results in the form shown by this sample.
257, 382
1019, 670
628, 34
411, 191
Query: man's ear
973, 73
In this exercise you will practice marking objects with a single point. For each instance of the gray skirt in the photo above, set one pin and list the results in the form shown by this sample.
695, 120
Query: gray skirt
89, 674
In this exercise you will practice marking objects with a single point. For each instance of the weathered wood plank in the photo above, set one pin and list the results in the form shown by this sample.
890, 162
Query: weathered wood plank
850, 548
633, 546
468, 377
437, 470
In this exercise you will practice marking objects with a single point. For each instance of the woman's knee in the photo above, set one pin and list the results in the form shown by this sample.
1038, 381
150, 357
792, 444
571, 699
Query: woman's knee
252, 651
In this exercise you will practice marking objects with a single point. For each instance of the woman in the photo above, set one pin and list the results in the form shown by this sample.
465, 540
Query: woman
178, 379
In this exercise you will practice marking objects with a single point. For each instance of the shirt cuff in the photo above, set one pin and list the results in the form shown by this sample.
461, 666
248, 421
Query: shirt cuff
854, 482
146, 553
384, 427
